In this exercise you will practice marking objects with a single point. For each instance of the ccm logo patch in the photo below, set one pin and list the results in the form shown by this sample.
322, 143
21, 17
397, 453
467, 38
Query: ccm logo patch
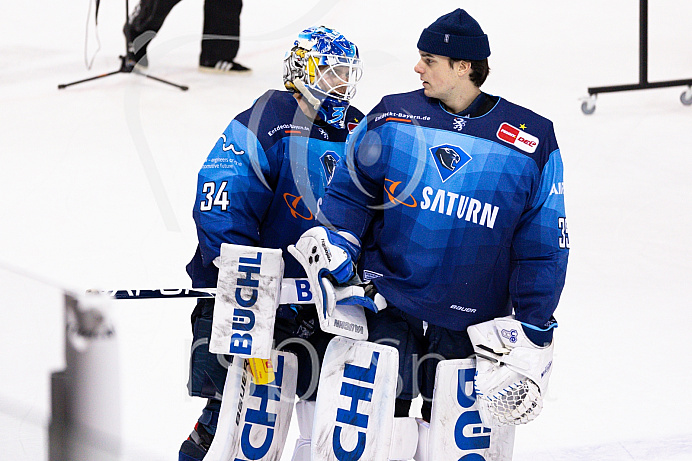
518, 138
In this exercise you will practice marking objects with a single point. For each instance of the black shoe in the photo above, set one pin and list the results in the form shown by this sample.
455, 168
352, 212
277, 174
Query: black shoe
222, 67
136, 58
197, 444
131, 64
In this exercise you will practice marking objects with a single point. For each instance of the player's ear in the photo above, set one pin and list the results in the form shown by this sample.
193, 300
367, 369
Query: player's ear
463, 68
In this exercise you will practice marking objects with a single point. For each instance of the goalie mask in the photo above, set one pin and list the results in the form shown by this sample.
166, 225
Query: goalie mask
324, 67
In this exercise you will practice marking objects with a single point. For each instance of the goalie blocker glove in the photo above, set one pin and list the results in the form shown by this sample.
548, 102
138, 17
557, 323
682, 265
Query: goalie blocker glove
511, 372
328, 258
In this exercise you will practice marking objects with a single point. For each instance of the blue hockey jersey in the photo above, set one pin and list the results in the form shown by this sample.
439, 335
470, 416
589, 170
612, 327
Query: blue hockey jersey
263, 180
462, 218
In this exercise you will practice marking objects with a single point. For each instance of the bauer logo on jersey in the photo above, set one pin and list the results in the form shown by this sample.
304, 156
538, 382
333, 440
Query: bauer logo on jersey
449, 159
518, 138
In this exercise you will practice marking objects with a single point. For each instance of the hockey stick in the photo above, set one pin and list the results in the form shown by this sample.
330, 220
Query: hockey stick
293, 291
162, 293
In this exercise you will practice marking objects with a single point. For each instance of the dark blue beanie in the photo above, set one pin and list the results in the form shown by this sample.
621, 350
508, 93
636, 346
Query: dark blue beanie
456, 35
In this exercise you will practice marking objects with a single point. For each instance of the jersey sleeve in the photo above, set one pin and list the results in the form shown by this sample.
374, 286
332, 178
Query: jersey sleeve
234, 190
355, 192
540, 250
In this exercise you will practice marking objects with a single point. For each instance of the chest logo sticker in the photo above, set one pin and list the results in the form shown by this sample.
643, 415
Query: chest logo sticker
518, 138
449, 159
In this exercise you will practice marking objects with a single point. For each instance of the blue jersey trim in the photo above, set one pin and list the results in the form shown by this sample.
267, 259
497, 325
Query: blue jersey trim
540, 336
533, 327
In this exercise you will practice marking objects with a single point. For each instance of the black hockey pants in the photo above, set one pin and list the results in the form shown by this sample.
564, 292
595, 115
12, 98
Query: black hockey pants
221, 18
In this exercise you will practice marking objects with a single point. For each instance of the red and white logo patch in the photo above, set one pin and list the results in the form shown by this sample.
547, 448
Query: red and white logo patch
516, 137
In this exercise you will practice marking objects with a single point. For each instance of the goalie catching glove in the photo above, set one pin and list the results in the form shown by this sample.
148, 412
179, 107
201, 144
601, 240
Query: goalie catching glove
328, 258
511, 372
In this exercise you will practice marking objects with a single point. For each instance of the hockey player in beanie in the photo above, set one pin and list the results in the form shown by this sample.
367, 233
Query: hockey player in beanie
455, 35
469, 245
454, 62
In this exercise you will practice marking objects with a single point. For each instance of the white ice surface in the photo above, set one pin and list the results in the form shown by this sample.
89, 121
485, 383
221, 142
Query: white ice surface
97, 184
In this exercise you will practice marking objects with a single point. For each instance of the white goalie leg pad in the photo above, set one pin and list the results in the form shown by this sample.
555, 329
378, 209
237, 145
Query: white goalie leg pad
301, 452
354, 414
404, 439
248, 293
455, 430
512, 372
319, 256
305, 415
254, 419
422, 449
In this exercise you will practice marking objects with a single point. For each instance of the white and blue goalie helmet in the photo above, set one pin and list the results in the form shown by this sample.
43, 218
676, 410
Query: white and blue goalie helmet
324, 67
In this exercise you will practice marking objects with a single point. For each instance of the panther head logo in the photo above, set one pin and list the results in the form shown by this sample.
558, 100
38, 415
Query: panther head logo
447, 157
329, 161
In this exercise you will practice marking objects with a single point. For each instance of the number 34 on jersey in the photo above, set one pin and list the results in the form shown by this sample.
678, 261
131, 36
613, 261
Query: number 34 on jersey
214, 197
